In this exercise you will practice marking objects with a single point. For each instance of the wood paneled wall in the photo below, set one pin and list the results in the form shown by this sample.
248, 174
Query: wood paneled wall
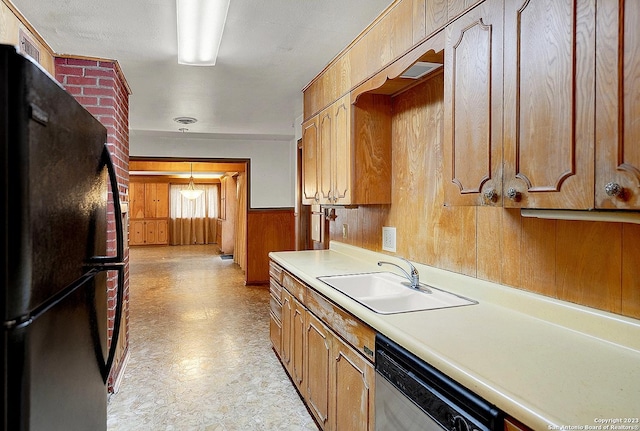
596, 264
267, 230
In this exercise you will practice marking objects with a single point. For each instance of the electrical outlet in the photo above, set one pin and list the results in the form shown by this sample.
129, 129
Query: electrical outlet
345, 231
389, 238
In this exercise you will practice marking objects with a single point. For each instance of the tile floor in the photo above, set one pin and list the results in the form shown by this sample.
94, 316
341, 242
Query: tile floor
200, 352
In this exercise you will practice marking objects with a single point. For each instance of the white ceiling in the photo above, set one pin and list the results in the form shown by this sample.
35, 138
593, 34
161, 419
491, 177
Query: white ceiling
270, 50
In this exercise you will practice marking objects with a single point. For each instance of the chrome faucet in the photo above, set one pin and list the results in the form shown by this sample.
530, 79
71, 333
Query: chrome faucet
413, 277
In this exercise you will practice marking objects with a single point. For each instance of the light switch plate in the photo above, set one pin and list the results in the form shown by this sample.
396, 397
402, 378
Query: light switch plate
389, 238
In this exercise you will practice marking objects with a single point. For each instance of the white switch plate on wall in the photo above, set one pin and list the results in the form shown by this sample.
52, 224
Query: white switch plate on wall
389, 238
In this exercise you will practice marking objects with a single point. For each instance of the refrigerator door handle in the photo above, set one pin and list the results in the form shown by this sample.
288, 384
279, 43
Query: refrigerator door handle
105, 366
98, 261
112, 263
28, 319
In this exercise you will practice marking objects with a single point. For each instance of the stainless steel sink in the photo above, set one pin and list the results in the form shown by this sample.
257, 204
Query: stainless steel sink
387, 293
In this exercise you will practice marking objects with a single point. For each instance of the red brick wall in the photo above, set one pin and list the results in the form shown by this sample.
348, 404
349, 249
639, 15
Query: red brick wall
101, 88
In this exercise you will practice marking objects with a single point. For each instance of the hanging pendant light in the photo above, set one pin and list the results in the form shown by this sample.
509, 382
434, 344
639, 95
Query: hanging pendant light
191, 192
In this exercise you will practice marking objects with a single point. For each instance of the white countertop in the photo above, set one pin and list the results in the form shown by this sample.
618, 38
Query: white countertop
548, 363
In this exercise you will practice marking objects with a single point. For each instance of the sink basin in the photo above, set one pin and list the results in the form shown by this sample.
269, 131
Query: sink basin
389, 293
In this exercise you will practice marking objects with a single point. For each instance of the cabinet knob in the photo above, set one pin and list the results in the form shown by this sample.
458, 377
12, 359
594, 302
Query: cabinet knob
513, 194
491, 195
613, 189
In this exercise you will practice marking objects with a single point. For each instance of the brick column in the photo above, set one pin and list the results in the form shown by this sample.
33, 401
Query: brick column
101, 88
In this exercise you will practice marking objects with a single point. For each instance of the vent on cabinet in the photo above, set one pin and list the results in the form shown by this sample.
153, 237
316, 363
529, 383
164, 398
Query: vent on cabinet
420, 69
28, 47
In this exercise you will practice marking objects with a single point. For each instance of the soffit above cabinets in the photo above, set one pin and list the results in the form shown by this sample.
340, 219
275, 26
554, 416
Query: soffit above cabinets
182, 169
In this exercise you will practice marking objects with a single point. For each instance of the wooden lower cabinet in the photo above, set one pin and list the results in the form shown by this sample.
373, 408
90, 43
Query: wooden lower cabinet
287, 314
319, 364
275, 330
298, 344
275, 304
335, 380
149, 232
352, 388
275, 321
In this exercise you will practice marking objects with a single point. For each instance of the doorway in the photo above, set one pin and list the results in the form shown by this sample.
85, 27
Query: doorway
154, 201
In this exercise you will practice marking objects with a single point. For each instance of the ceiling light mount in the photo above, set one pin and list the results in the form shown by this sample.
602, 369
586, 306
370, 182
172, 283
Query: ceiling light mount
185, 120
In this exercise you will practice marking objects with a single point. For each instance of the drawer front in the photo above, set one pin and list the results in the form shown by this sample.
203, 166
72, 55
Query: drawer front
295, 287
276, 307
275, 271
276, 289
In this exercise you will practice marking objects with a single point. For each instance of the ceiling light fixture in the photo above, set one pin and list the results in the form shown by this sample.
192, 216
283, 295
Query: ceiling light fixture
200, 27
191, 192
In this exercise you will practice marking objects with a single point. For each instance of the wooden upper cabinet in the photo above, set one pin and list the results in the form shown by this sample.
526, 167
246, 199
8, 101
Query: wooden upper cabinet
341, 156
136, 197
618, 105
310, 193
473, 107
353, 163
149, 200
549, 78
156, 200
323, 164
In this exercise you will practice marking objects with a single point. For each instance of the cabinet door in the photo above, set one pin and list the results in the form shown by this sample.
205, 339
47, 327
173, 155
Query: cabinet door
549, 49
150, 232
352, 386
324, 169
136, 196
618, 105
162, 200
318, 361
150, 198
136, 232
275, 333
298, 344
473, 108
341, 150
310, 162
162, 236
287, 313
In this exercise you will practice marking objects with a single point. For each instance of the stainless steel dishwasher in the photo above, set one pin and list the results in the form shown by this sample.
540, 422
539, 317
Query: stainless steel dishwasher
412, 395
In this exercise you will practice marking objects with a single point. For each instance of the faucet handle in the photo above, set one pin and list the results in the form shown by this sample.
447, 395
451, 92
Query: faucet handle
414, 271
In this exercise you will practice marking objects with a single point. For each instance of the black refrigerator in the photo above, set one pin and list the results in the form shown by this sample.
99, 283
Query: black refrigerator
56, 178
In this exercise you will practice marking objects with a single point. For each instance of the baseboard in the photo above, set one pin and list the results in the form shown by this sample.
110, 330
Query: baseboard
120, 376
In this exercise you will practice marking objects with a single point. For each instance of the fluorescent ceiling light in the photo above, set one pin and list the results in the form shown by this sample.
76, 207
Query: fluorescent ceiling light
200, 27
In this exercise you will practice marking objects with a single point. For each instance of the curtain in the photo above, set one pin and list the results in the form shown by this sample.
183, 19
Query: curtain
240, 249
193, 221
